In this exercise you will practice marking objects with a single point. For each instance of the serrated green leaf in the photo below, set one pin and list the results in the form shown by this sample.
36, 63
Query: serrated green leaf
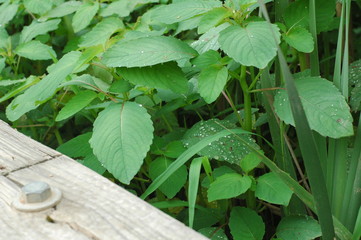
211, 82
165, 76
123, 8
174, 183
245, 224
298, 228
42, 91
249, 162
178, 12
35, 50
207, 59
75, 104
147, 51
270, 188
7, 12
300, 39
36, 29
296, 14
28, 83
38, 6
101, 32
84, 15
62, 10
212, 19
228, 186
250, 46
230, 149
121, 139
327, 111
213, 233
209, 40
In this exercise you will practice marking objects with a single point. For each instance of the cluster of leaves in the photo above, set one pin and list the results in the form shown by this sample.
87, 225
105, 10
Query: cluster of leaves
123, 80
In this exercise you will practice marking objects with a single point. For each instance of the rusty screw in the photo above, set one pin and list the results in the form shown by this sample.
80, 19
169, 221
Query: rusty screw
35, 192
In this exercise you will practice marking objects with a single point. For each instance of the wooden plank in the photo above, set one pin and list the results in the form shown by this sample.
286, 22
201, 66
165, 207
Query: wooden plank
92, 207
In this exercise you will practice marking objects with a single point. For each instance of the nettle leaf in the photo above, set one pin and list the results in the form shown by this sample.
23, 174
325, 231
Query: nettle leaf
84, 15
300, 39
7, 12
272, 189
4, 37
174, 183
121, 138
45, 89
101, 32
207, 59
245, 224
75, 104
35, 50
38, 6
147, 51
298, 228
212, 19
123, 8
36, 29
251, 161
165, 76
211, 82
231, 148
296, 14
228, 186
250, 46
355, 80
209, 40
82, 151
180, 11
62, 10
213, 233
30, 81
327, 111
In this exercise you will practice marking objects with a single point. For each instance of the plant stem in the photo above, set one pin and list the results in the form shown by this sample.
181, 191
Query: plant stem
246, 100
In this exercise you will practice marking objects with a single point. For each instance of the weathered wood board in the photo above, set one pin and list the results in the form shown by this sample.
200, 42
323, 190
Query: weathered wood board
92, 207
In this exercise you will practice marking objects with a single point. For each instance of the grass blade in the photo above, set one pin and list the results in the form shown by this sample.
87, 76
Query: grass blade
194, 172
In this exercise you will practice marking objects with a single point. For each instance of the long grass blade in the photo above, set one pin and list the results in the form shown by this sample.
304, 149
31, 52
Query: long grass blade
357, 231
194, 172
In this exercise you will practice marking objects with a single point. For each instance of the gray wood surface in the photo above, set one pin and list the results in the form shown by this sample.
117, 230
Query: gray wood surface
92, 207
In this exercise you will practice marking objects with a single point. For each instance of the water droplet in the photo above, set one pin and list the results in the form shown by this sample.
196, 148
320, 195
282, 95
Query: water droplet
142, 51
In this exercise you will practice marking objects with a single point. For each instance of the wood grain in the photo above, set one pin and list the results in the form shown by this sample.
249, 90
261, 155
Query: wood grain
92, 207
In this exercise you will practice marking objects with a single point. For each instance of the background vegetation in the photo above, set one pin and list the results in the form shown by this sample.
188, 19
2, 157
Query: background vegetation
240, 119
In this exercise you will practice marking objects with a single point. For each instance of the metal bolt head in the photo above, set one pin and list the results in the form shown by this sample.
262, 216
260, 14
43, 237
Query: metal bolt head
35, 192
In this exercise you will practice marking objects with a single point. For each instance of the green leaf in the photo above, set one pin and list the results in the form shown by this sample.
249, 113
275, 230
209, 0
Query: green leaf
84, 15
213, 233
2, 64
147, 51
4, 37
298, 228
101, 32
178, 12
251, 46
228, 186
212, 19
217, 172
230, 149
355, 80
43, 90
209, 40
300, 39
62, 10
296, 14
327, 111
121, 139
123, 8
174, 183
211, 82
7, 12
165, 76
83, 151
249, 162
75, 104
36, 29
28, 83
207, 59
270, 188
245, 224
38, 6
35, 50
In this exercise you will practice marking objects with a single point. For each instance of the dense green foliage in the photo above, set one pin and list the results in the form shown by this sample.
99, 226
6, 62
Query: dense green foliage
224, 114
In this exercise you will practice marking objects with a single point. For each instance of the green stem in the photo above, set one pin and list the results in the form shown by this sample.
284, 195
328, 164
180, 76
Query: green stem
246, 100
